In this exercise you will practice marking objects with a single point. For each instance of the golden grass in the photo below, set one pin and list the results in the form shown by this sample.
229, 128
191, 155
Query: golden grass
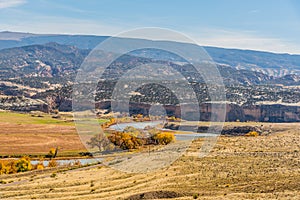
263, 167
26, 134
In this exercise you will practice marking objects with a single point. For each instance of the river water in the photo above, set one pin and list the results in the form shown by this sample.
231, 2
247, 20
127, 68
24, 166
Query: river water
83, 161
186, 135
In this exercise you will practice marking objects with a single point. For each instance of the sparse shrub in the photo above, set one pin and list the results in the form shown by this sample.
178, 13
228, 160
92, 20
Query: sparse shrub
53, 175
173, 119
195, 196
52, 163
85, 154
252, 134
138, 118
77, 163
152, 131
164, 138
40, 166
92, 184
55, 111
111, 121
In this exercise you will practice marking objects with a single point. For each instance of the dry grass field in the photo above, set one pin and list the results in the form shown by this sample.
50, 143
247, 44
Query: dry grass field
33, 134
263, 167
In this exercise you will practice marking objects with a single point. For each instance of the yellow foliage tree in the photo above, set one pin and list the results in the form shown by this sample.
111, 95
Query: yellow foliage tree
23, 164
164, 138
125, 140
14, 166
4, 166
53, 152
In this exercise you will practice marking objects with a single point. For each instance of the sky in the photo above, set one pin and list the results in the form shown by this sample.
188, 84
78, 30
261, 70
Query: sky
267, 25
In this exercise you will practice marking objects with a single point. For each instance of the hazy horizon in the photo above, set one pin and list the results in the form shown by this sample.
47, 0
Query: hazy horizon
97, 35
271, 26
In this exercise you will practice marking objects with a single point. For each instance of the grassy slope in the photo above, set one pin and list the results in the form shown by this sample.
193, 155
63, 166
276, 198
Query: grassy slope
20, 118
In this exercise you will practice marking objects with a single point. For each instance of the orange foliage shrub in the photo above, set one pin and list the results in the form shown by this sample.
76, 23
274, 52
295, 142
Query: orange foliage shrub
40, 166
14, 166
52, 163
125, 140
111, 121
6, 167
252, 134
164, 138
173, 119
23, 164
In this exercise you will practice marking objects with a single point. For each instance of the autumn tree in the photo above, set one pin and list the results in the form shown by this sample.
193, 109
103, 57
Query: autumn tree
23, 164
14, 166
100, 141
163, 138
52, 152
125, 140
132, 131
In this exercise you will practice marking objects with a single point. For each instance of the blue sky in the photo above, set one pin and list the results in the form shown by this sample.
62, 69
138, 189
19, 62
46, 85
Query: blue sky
271, 25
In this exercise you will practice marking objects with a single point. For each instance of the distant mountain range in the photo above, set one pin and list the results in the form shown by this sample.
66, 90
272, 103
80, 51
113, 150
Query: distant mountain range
46, 60
271, 64
54, 60
260, 86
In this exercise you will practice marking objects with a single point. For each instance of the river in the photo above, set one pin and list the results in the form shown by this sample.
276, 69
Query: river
83, 161
186, 135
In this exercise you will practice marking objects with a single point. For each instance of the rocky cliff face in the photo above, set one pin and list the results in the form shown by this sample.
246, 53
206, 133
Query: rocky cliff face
258, 113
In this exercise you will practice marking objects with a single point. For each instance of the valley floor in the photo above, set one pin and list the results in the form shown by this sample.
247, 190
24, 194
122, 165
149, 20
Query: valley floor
263, 167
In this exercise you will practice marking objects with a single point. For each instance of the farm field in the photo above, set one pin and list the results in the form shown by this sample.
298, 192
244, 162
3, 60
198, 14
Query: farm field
263, 167
34, 134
